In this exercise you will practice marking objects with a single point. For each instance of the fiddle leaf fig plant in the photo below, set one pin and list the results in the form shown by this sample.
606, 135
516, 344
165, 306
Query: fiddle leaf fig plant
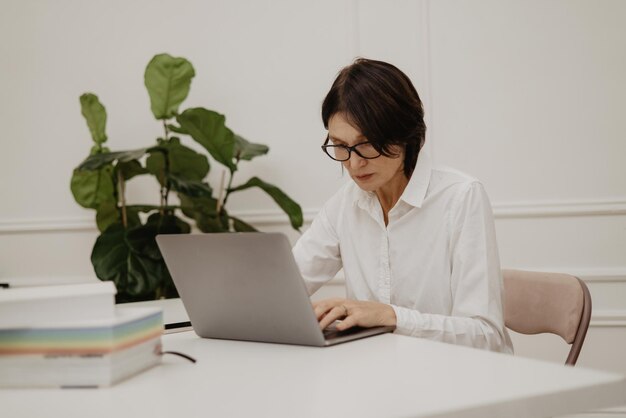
125, 251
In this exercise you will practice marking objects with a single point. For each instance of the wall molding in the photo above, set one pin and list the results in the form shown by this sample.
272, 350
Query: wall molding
25, 226
88, 224
277, 218
560, 209
608, 318
596, 275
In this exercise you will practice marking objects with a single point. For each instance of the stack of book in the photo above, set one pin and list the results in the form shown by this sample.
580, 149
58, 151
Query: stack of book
74, 336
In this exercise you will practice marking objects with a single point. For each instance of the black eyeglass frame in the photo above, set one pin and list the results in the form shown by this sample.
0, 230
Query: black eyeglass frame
326, 147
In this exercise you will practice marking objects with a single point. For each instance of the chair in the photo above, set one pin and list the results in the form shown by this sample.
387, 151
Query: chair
536, 303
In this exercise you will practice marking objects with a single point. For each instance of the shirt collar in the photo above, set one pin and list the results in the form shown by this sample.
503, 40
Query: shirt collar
415, 190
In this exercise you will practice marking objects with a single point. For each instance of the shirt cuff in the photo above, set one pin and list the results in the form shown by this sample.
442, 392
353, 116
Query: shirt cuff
406, 320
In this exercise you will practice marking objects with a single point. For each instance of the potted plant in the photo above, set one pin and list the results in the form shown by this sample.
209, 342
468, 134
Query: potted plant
125, 251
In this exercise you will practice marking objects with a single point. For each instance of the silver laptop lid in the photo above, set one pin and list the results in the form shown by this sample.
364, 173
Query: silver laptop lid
242, 286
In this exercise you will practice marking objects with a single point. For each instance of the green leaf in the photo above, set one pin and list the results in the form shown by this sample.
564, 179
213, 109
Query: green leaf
109, 255
179, 225
95, 161
133, 211
241, 226
208, 128
190, 205
177, 129
189, 187
92, 187
288, 205
210, 224
155, 164
184, 163
132, 216
245, 150
187, 164
203, 210
168, 80
141, 240
107, 214
144, 275
135, 276
131, 258
168, 224
96, 116
97, 149
130, 169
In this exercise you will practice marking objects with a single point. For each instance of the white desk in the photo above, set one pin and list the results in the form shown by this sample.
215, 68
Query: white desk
383, 376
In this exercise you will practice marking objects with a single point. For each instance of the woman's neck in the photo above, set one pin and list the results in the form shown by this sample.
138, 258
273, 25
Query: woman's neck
389, 194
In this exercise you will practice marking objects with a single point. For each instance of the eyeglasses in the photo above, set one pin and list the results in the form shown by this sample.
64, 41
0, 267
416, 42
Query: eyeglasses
343, 152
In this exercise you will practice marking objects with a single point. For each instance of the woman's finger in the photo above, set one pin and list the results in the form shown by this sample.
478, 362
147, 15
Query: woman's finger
348, 322
321, 309
333, 315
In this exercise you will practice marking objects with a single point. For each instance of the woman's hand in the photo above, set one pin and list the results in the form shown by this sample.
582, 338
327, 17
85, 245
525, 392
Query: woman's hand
353, 312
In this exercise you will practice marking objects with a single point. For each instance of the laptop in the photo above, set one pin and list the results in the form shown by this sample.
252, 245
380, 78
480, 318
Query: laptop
247, 286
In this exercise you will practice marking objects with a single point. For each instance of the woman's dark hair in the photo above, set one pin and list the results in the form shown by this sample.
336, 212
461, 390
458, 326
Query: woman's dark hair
379, 100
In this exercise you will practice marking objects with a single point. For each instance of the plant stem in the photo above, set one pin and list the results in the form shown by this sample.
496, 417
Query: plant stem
162, 204
122, 191
167, 190
221, 203
165, 184
164, 190
221, 192
167, 131
230, 183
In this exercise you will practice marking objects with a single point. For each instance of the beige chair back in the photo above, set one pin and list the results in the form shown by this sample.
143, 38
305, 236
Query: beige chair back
557, 303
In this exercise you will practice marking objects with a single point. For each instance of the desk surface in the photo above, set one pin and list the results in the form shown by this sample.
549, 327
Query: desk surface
382, 376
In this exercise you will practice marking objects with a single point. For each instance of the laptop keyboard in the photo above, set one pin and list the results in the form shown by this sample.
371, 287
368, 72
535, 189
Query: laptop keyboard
332, 332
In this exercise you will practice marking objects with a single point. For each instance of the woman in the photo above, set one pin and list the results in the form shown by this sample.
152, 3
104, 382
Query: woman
417, 243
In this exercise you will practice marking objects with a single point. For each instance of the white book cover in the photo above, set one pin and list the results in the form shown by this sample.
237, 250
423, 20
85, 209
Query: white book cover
41, 305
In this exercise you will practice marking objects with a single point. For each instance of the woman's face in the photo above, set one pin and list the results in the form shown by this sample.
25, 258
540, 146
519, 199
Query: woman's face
369, 174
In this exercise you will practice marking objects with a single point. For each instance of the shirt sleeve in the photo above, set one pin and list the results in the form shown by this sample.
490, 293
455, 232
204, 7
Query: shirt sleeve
317, 252
476, 318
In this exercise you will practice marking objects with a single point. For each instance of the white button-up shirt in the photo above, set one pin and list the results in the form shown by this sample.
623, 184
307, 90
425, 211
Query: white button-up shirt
435, 262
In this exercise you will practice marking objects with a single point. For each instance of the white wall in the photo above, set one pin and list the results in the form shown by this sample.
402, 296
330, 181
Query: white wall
265, 65
525, 95
528, 96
